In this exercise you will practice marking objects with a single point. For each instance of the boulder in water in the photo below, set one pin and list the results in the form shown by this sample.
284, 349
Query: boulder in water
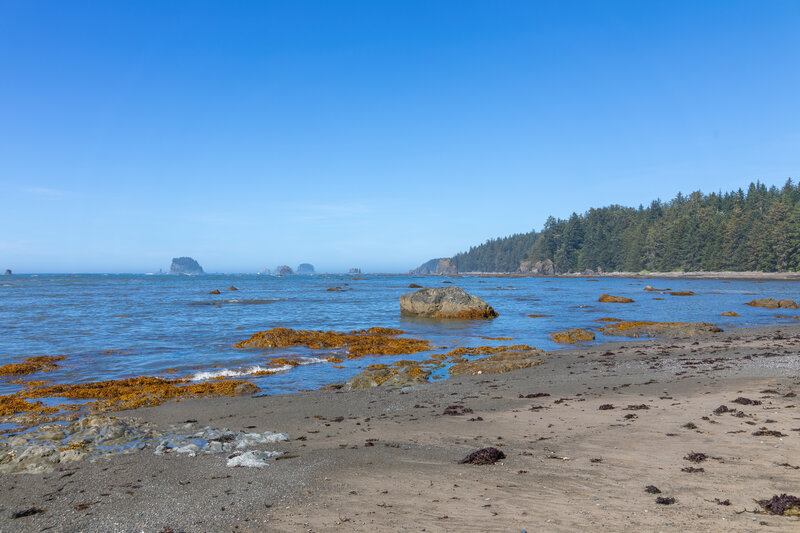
608, 299
772, 303
445, 302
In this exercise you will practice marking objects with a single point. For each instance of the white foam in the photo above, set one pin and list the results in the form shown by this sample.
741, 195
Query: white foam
252, 459
228, 373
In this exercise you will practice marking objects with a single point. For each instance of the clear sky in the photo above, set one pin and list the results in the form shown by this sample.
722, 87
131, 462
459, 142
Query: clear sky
370, 134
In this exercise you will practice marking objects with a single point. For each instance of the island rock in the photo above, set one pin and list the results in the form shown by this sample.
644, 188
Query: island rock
354, 271
284, 270
305, 269
445, 302
185, 265
7, 272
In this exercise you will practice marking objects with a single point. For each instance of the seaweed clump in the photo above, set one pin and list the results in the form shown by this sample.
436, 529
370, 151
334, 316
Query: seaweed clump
572, 336
662, 329
44, 363
484, 456
372, 341
784, 505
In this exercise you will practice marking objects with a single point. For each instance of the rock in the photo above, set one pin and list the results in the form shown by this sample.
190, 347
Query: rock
231, 288
682, 293
414, 286
305, 269
653, 289
354, 271
571, 336
215, 291
607, 298
730, 313
499, 363
185, 265
7, 272
660, 329
440, 266
384, 376
772, 303
484, 456
543, 268
444, 302
284, 270
245, 389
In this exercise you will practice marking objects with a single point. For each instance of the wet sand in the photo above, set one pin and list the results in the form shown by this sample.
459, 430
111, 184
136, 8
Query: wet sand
387, 460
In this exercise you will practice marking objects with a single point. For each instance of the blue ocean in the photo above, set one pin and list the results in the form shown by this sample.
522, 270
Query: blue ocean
117, 326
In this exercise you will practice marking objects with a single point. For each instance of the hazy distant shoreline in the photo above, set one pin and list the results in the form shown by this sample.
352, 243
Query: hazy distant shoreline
767, 276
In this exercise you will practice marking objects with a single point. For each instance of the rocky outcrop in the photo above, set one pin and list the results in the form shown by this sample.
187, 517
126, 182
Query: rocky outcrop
772, 303
284, 270
445, 302
185, 265
7, 272
730, 313
542, 268
305, 269
397, 375
608, 299
442, 266
499, 363
572, 336
660, 329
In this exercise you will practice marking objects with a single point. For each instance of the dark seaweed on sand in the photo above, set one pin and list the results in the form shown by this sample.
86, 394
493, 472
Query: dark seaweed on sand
692, 470
764, 432
606, 407
696, 457
780, 504
484, 456
652, 489
741, 400
665, 501
27, 512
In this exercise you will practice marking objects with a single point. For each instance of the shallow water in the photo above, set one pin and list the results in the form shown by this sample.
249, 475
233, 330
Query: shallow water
116, 326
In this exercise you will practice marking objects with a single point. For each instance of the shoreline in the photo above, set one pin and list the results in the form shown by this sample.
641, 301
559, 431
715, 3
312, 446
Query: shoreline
747, 276
386, 459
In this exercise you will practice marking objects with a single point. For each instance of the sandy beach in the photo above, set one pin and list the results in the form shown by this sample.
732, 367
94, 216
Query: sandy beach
387, 459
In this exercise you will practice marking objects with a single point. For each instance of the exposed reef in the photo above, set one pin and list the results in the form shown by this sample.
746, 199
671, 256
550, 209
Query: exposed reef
505, 361
372, 341
607, 298
772, 303
572, 336
660, 329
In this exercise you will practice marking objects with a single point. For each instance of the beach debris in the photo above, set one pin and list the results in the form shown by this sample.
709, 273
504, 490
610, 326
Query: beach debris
445, 302
764, 432
606, 407
455, 410
43, 363
722, 409
665, 501
695, 457
659, 329
652, 489
741, 400
372, 341
251, 459
690, 425
572, 336
692, 470
534, 395
639, 407
607, 298
722, 502
784, 505
484, 456
26, 512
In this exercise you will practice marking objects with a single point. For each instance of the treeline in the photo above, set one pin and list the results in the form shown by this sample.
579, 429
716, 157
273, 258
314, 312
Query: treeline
754, 230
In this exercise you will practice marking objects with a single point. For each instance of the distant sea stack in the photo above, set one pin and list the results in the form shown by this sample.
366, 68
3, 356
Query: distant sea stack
354, 271
7, 272
305, 269
443, 267
185, 265
284, 270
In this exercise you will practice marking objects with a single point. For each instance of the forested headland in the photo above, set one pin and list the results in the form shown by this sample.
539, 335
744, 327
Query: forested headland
753, 230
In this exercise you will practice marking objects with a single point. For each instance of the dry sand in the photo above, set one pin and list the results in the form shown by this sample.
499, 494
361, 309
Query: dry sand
386, 460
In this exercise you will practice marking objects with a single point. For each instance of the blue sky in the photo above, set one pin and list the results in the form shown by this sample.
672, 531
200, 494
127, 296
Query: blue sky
370, 134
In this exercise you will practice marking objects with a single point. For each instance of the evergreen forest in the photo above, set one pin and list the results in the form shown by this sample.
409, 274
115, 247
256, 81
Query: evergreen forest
753, 230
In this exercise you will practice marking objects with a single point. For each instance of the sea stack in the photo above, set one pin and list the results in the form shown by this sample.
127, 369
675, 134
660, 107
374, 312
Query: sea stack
284, 270
305, 269
7, 272
354, 271
185, 265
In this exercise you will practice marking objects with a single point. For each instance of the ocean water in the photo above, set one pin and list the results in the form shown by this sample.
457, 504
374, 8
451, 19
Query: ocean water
117, 326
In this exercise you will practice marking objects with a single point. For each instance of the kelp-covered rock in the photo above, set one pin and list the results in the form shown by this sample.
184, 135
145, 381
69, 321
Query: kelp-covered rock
499, 363
445, 302
372, 341
730, 313
607, 298
772, 303
389, 376
571, 336
660, 329
653, 289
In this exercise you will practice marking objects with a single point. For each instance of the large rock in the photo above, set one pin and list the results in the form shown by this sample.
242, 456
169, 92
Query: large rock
772, 303
444, 302
354, 270
385, 376
7, 272
660, 329
305, 268
185, 265
609, 299
284, 270
441, 266
499, 363
446, 267
543, 268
